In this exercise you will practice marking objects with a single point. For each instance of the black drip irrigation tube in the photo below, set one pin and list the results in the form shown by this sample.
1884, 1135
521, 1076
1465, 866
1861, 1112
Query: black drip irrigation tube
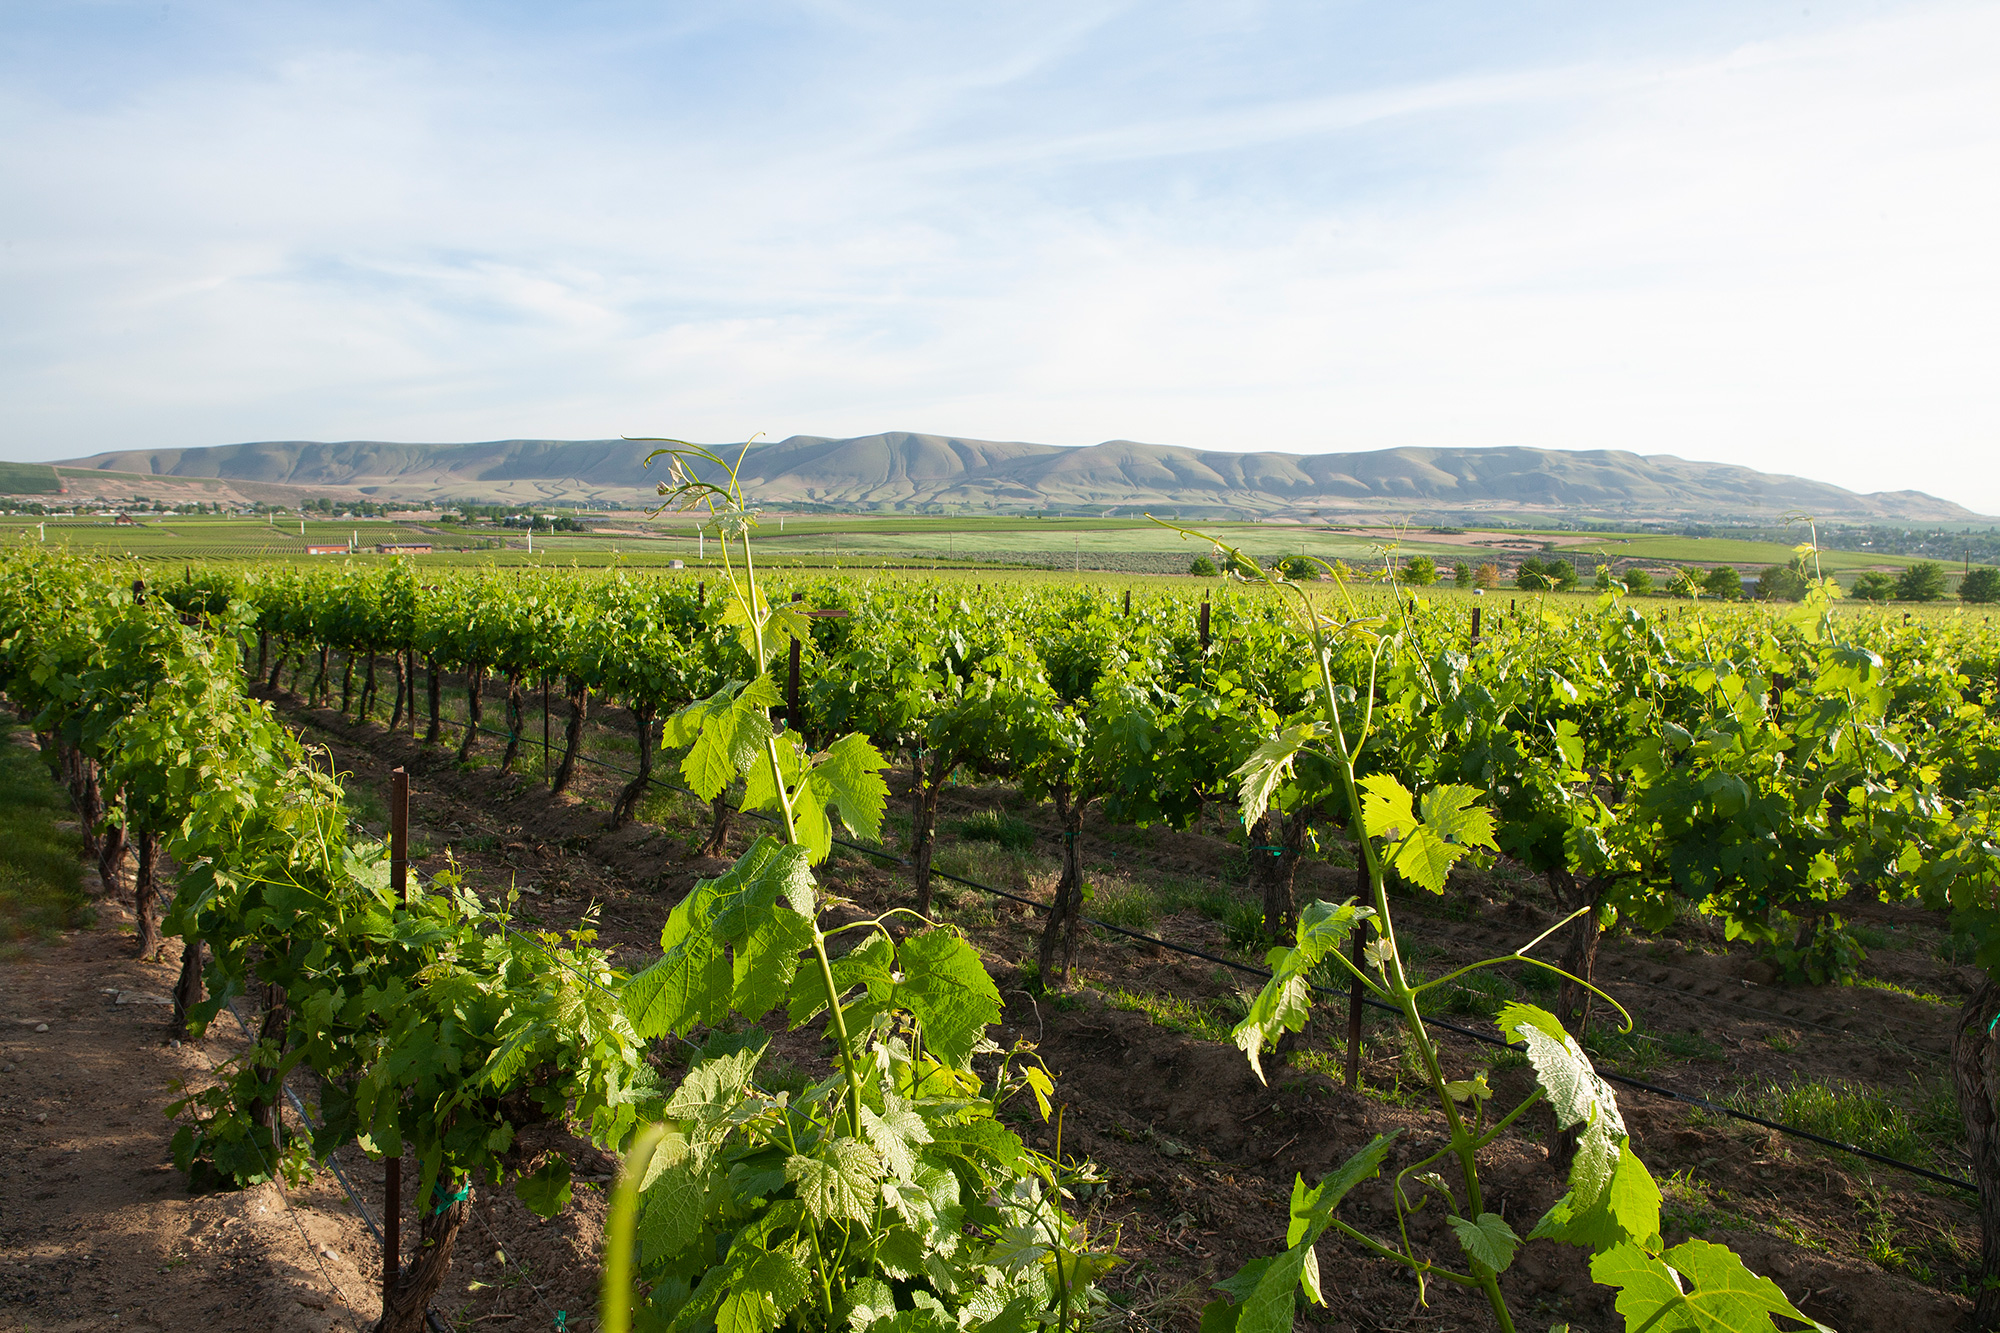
1248, 969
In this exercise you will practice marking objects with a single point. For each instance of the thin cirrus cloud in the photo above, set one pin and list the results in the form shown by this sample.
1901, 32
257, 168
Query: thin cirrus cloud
1738, 235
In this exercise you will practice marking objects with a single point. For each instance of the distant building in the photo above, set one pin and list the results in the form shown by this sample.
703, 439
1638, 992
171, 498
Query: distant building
676, 564
402, 548
341, 549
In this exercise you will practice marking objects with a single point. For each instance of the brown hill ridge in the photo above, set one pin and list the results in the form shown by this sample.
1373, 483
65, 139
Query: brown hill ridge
899, 469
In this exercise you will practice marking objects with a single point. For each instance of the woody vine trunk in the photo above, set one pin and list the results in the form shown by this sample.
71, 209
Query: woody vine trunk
1975, 1067
1058, 950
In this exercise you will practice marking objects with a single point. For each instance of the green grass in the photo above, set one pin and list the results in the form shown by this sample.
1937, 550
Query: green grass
41, 880
1189, 1017
997, 826
1909, 1129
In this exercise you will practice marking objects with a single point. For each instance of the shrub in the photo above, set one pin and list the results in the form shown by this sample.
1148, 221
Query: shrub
1638, 581
1921, 582
1461, 574
1487, 576
1981, 585
1724, 582
1874, 586
1203, 568
1423, 572
1781, 583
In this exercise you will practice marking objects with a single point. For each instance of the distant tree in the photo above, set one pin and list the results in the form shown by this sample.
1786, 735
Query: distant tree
1923, 581
1981, 585
1725, 582
1486, 576
1874, 586
1688, 582
1298, 567
1782, 583
1528, 575
1638, 582
1561, 571
1603, 580
1423, 572
1203, 568
1461, 574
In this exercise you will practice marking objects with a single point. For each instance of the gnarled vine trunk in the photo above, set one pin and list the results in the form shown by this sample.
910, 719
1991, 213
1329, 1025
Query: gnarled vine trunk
1277, 843
346, 681
402, 685
146, 891
111, 853
474, 674
1058, 950
317, 694
1975, 1068
436, 727
578, 695
419, 1279
721, 814
515, 725
628, 800
368, 687
265, 1112
278, 665
188, 991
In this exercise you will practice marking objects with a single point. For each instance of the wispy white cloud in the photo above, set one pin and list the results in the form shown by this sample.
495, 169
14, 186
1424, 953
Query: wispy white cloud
1772, 248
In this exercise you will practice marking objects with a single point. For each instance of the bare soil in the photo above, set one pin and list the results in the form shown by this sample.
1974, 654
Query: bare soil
1199, 1155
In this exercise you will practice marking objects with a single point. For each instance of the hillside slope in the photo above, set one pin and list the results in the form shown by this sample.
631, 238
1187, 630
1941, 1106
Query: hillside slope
899, 468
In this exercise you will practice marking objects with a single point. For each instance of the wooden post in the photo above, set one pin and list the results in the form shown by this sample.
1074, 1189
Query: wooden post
392, 1170
792, 691
1204, 626
701, 593
1128, 603
545, 726
1475, 623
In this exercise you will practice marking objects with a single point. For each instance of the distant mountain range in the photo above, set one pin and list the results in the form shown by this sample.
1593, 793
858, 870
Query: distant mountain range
901, 470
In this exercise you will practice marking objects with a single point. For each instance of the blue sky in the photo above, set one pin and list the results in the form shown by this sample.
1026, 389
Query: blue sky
1751, 232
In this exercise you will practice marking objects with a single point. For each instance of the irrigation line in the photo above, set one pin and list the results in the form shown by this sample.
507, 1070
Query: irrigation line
1247, 969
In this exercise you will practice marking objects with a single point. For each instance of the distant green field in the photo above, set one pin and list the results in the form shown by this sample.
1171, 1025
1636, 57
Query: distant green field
29, 479
1716, 551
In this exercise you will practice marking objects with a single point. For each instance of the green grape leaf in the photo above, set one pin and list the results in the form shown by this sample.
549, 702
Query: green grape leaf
671, 1220
694, 980
1628, 1211
947, 989
1286, 1000
1387, 809
545, 1190
868, 1300
788, 620
840, 1184
767, 961
896, 1134
1312, 1209
1450, 812
1266, 767
1720, 1295
1488, 1240
1423, 858
849, 778
724, 734
1577, 1096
